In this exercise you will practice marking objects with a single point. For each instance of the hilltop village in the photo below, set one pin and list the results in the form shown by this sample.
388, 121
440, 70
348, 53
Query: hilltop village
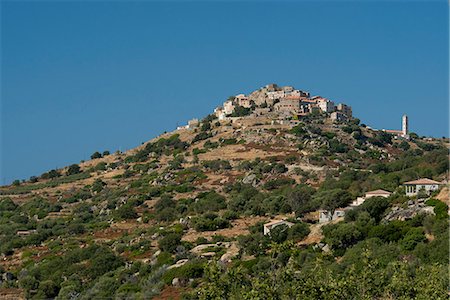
280, 105
274, 180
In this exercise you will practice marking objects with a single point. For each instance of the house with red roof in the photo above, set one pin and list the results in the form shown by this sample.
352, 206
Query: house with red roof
427, 185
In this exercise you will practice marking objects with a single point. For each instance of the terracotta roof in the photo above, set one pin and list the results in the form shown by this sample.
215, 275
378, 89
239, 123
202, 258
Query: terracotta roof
379, 192
424, 181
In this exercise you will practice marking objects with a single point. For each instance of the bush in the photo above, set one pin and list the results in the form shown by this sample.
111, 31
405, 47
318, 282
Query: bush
298, 231
412, 238
50, 174
210, 222
201, 136
96, 155
125, 212
440, 208
73, 169
170, 242
277, 183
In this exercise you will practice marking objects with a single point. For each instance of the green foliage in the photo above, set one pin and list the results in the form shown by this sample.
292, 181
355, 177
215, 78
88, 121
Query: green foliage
98, 185
50, 174
332, 199
170, 242
277, 183
210, 222
298, 231
341, 236
73, 169
240, 111
209, 201
96, 155
201, 136
216, 165
412, 238
440, 208
125, 212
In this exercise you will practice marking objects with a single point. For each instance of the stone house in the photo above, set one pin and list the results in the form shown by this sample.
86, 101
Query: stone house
338, 116
288, 105
243, 101
326, 216
192, 123
345, 109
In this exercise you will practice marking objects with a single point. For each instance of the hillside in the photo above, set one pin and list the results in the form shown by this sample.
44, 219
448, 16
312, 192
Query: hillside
182, 215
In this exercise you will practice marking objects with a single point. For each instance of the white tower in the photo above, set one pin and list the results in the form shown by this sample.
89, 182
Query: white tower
405, 125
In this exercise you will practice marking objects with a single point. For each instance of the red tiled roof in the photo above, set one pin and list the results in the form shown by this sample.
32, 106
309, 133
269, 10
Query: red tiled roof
423, 181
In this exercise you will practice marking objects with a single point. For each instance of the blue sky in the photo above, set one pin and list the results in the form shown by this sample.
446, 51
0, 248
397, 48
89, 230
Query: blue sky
77, 77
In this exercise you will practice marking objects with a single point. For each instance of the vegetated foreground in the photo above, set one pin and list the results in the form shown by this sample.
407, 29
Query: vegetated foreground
182, 216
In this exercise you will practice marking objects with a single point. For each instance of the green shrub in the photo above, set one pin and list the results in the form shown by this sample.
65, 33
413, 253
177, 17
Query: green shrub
170, 242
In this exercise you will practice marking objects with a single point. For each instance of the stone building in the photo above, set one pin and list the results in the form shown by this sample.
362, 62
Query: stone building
345, 109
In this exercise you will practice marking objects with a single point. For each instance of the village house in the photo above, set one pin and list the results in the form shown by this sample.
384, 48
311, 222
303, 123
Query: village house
243, 101
326, 105
228, 107
326, 216
276, 95
345, 109
427, 185
376, 193
338, 116
272, 224
193, 124
287, 105
220, 113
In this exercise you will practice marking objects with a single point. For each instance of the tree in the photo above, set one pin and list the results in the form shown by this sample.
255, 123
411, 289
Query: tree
50, 174
279, 233
126, 211
73, 169
298, 231
170, 242
98, 185
96, 155
299, 198
375, 206
332, 199
106, 153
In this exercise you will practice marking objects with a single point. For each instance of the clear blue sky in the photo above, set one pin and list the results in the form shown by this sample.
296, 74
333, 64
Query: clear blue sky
84, 76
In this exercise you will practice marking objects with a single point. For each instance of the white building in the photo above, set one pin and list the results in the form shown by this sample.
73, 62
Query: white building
220, 113
326, 105
228, 107
272, 224
376, 193
412, 188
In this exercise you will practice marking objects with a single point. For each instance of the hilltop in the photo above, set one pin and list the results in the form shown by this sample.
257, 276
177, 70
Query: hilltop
154, 220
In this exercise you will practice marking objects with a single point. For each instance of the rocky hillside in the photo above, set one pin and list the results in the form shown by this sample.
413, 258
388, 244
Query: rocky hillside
189, 205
